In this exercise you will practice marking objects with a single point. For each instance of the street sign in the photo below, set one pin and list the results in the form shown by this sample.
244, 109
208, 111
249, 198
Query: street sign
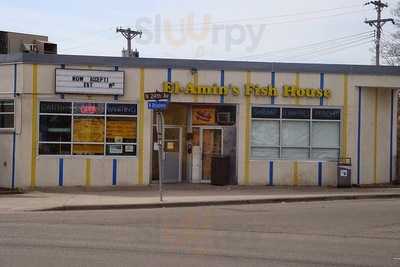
157, 96
157, 105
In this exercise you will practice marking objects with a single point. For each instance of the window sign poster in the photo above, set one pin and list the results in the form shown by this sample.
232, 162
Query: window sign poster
89, 108
89, 129
129, 148
121, 109
56, 107
91, 82
203, 115
88, 149
121, 130
116, 149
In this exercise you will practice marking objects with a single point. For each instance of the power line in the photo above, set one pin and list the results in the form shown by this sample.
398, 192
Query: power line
311, 45
337, 48
269, 17
312, 57
182, 27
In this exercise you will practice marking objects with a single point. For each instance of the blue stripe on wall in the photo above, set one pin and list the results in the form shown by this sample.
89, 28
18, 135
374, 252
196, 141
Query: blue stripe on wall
271, 173
222, 100
169, 75
273, 84
61, 172
319, 173
322, 86
391, 136
14, 133
114, 172
359, 137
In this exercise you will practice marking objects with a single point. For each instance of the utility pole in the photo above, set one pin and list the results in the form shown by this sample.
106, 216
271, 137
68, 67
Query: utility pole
378, 24
129, 34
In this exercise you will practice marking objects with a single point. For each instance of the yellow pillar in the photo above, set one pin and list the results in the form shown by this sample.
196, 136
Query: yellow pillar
247, 134
140, 143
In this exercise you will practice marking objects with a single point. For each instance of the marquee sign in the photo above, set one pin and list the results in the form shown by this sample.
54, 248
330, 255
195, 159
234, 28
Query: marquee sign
91, 82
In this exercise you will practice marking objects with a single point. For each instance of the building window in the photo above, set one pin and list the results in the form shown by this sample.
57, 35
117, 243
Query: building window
7, 111
80, 128
295, 133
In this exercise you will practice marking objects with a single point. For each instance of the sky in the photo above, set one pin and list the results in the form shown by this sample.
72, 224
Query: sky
312, 31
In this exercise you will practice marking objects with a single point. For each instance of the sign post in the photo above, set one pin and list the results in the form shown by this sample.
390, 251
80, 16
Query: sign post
161, 156
159, 102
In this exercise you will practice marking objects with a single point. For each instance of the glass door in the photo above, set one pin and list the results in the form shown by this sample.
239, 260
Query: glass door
172, 149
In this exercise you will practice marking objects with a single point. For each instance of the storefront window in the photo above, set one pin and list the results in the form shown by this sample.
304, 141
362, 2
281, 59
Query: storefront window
55, 128
89, 129
121, 136
6, 114
80, 128
295, 133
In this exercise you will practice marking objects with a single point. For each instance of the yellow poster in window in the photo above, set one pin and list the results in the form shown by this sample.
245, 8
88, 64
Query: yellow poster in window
87, 149
121, 129
203, 115
89, 129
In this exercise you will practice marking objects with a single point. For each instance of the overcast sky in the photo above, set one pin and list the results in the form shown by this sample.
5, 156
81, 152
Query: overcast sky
256, 30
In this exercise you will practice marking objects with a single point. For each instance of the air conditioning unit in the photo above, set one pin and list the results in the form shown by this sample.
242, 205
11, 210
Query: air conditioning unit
30, 48
224, 118
46, 47
40, 47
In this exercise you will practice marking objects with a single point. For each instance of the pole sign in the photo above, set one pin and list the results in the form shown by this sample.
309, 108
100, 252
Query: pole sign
157, 96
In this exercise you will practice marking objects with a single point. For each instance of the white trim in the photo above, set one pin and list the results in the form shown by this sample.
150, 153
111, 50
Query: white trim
12, 129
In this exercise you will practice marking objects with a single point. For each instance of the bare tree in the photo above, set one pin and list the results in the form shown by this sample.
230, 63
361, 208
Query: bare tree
391, 42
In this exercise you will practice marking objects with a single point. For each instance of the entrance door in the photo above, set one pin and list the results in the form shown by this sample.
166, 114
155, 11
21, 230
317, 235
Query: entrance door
211, 146
172, 148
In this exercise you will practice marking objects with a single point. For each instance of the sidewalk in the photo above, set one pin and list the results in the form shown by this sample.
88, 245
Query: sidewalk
179, 196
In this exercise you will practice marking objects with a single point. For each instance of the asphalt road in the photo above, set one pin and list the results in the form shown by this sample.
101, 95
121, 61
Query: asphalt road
340, 233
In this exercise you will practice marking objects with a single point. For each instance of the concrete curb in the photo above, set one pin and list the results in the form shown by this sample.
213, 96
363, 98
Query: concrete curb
11, 192
222, 202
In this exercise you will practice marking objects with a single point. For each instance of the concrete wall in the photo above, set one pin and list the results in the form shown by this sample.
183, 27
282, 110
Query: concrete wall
78, 170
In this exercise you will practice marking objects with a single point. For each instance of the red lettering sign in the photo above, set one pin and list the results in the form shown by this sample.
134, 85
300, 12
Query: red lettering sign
88, 109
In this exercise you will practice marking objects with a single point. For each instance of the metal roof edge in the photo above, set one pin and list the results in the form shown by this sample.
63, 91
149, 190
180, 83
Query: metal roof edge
198, 64
11, 58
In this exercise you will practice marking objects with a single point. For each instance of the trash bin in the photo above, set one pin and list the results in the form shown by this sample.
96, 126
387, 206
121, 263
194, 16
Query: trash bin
220, 170
344, 173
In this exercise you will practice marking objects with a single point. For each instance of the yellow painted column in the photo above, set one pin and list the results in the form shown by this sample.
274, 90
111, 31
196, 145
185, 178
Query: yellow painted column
296, 163
297, 84
345, 115
196, 84
376, 137
34, 123
88, 172
247, 134
140, 172
296, 173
